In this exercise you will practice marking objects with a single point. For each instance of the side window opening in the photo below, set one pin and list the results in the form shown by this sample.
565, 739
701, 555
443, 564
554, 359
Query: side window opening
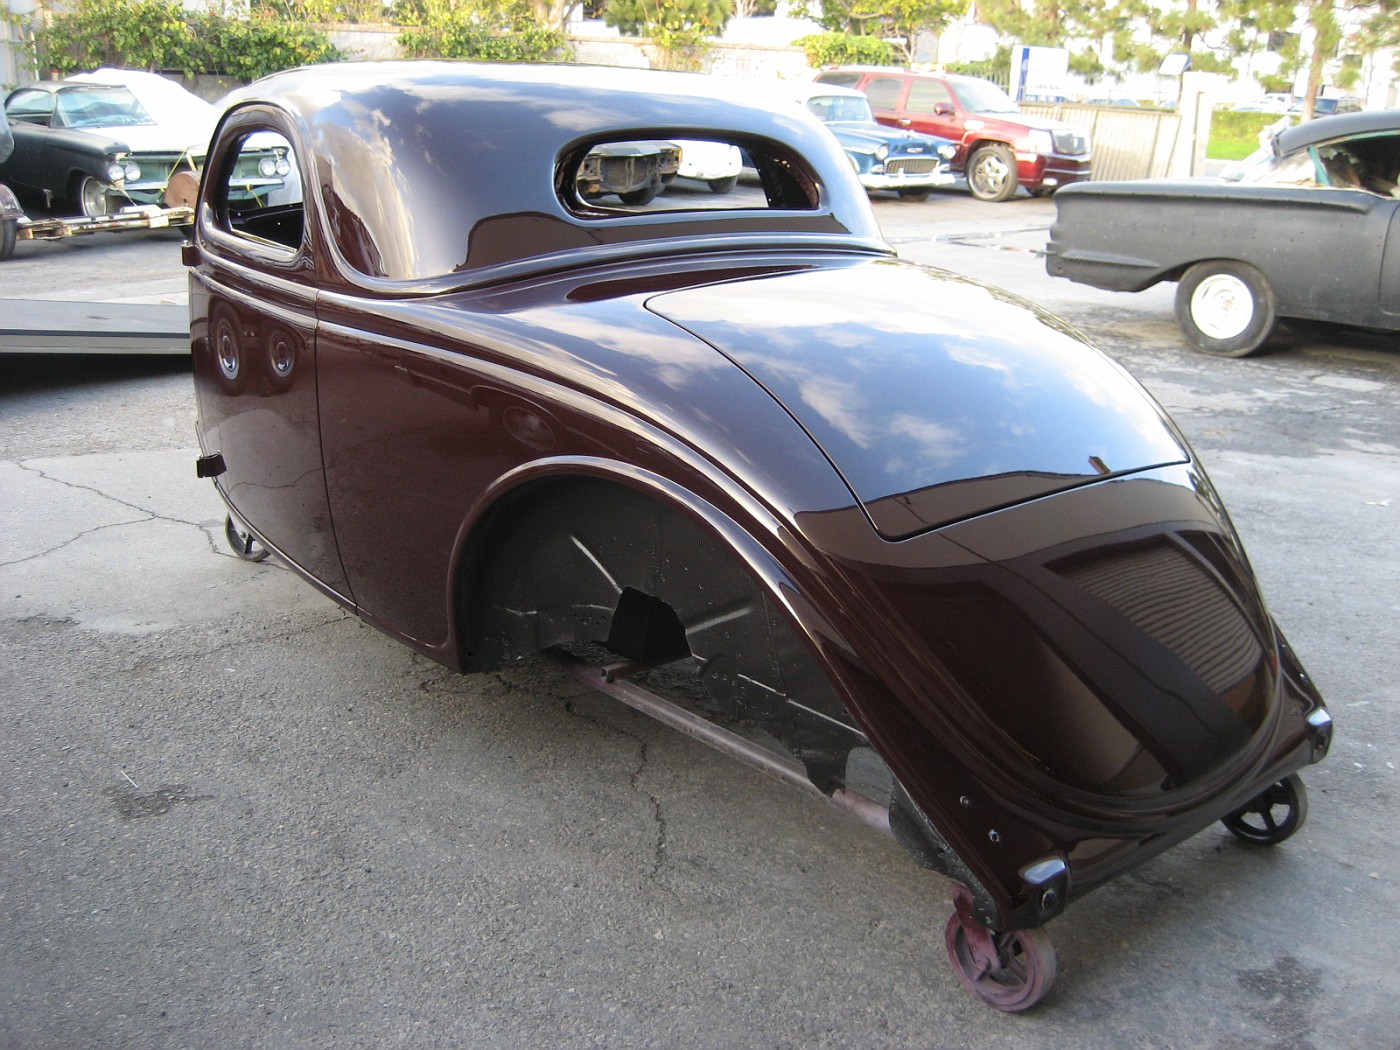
261, 192
925, 94
883, 92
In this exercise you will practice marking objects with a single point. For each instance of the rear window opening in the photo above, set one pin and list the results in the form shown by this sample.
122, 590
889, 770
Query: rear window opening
651, 175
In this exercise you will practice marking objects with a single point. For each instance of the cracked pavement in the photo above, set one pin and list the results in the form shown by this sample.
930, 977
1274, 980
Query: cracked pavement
235, 816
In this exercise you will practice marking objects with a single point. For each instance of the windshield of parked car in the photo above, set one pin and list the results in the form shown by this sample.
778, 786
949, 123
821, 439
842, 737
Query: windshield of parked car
1262, 168
99, 107
1369, 162
982, 96
837, 109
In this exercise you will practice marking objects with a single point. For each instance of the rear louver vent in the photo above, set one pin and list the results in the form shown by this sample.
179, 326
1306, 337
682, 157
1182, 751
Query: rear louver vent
1175, 601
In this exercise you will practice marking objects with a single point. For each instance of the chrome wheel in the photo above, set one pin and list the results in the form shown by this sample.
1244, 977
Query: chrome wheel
92, 198
992, 174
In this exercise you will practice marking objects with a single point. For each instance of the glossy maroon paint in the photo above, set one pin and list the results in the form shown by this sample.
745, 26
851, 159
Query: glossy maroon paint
999, 552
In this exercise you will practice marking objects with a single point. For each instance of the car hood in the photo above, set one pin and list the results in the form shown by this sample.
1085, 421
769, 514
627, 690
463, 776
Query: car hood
158, 138
935, 397
1023, 120
870, 136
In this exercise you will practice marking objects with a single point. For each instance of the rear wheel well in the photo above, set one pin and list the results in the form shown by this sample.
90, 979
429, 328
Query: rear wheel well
615, 574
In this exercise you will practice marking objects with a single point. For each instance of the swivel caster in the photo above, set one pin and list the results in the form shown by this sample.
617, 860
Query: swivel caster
1272, 815
1009, 971
242, 542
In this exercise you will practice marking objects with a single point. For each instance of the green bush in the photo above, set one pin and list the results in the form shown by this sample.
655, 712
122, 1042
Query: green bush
160, 35
1234, 136
843, 49
458, 34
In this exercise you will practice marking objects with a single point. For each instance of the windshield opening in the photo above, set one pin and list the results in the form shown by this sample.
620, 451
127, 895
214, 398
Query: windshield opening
104, 107
835, 109
982, 96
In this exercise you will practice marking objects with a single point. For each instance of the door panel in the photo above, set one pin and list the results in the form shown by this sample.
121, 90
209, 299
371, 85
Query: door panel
1390, 267
256, 369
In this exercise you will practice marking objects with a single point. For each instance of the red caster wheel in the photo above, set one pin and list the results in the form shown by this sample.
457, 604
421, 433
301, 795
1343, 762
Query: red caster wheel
1008, 971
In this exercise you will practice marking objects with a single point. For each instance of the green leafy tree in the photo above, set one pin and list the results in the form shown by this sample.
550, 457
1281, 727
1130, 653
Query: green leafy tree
681, 29
901, 21
897, 21
486, 30
1150, 32
1074, 25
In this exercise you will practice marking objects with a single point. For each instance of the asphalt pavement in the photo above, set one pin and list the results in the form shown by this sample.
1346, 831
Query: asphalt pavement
233, 816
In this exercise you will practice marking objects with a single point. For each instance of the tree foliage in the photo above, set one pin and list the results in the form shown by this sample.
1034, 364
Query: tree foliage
486, 30
897, 21
1214, 33
1072, 24
160, 35
681, 29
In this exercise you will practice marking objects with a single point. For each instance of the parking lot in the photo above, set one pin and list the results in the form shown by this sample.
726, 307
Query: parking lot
234, 816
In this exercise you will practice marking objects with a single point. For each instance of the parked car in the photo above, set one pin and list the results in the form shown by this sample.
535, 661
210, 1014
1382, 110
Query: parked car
717, 164
1307, 227
108, 139
937, 558
999, 148
884, 158
10, 211
634, 171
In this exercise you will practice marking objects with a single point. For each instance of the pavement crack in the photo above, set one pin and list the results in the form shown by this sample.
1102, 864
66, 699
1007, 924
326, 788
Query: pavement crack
660, 847
143, 515
77, 486
71, 540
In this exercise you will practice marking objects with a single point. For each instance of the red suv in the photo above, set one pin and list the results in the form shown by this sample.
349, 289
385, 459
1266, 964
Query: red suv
999, 147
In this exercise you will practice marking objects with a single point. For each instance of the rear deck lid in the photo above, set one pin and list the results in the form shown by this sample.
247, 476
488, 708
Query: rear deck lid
937, 398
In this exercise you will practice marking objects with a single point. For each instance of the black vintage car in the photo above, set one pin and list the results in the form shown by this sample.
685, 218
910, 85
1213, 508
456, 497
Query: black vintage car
1308, 227
891, 534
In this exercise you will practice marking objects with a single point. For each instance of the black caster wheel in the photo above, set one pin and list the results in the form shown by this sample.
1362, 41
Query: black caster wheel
1008, 971
1272, 815
242, 543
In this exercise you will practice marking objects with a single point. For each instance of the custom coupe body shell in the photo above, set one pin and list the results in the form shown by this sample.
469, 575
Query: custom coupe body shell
872, 508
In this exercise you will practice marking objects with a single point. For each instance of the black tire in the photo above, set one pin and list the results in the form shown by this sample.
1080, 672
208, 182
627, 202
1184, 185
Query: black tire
643, 196
1226, 308
992, 174
916, 196
9, 231
725, 185
91, 197
1273, 815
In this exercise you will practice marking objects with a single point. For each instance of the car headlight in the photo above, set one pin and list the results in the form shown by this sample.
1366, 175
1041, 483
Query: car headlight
947, 151
882, 152
284, 167
131, 170
115, 171
1041, 142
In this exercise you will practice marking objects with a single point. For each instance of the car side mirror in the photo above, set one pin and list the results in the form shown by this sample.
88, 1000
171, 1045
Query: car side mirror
943, 109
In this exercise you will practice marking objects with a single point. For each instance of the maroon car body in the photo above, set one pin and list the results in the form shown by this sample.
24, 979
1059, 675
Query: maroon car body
885, 516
